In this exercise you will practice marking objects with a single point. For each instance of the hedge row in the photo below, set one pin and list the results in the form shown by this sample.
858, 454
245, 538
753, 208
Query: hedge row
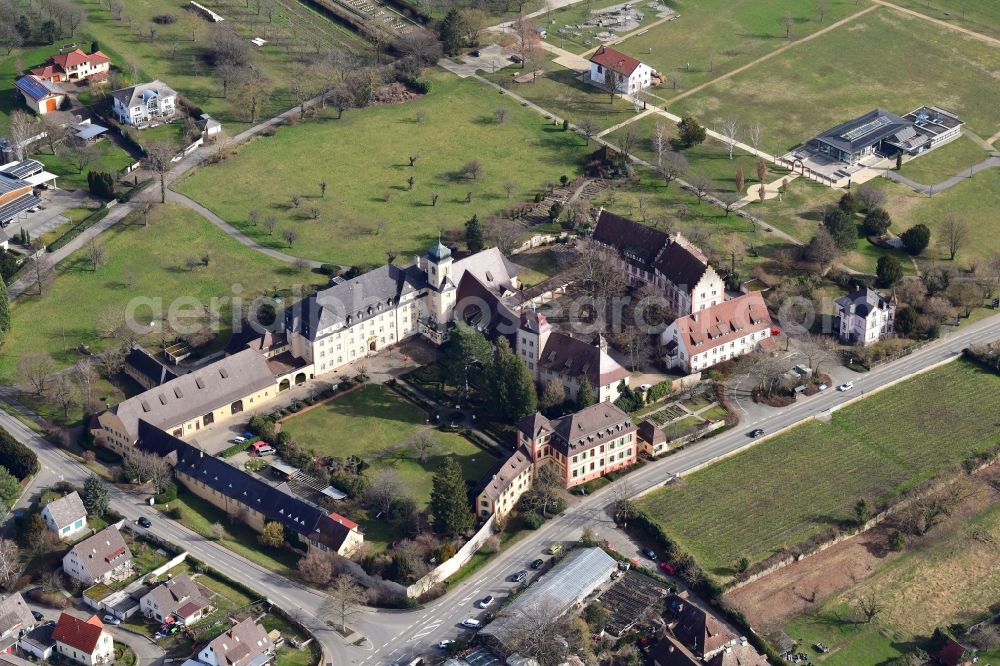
78, 228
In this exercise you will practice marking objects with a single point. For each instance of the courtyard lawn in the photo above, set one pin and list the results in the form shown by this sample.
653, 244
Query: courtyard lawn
368, 208
107, 156
973, 201
294, 32
801, 209
536, 266
951, 579
146, 262
791, 487
560, 91
815, 86
865, 257
713, 37
953, 158
364, 423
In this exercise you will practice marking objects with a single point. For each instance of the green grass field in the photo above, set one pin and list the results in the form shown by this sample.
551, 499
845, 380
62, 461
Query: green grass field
713, 37
816, 85
446, 129
944, 162
789, 488
536, 266
981, 16
152, 260
950, 580
374, 423
107, 157
568, 18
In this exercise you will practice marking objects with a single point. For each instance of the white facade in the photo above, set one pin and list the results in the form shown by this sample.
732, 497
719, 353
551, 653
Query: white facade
145, 103
640, 78
706, 358
68, 529
719, 333
103, 653
865, 317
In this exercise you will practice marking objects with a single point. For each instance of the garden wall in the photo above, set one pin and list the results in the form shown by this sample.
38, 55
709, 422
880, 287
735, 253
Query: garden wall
449, 567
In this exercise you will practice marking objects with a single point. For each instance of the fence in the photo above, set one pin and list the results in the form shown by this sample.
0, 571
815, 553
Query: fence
160, 570
187, 151
451, 566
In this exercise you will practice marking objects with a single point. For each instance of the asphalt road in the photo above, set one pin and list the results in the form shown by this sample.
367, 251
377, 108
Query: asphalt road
394, 635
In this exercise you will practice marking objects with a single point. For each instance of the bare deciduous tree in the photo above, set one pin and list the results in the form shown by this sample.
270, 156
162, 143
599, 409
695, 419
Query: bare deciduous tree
423, 443
383, 490
672, 165
505, 234
10, 563
701, 184
730, 131
869, 606
62, 392
954, 234
97, 254
34, 369
159, 156
343, 603
588, 128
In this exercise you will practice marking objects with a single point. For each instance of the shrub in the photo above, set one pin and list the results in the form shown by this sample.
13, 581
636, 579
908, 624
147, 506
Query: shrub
877, 222
164, 19
897, 541
534, 520
176, 513
168, 495
916, 238
16, 457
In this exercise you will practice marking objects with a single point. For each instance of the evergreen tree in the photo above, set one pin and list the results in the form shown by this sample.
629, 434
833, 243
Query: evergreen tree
585, 396
842, 228
513, 386
10, 487
94, 46
4, 309
474, 235
465, 355
916, 238
690, 133
95, 496
450, 32
888, 270
877, 222
449, 503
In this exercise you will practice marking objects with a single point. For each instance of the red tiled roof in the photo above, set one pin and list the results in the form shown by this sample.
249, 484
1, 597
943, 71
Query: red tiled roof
46, 71
346, 522
616, 61
78, 57
80, 634
719, 324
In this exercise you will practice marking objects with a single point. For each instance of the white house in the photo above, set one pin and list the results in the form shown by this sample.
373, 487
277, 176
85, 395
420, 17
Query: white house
66, 516
721, 332
243, 644
633, 75
866, 316
83, 641
103, 558
144, 103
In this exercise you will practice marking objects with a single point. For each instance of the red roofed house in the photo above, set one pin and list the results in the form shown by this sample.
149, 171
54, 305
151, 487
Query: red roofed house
721, 332
583, 446
74, 66
632, 75
83, 641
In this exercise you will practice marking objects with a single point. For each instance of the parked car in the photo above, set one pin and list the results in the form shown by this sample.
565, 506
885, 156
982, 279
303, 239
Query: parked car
650, 553
471, 623
846, 386
443, 645
645, 387
486, 601
516, 58
555, 548
37, 615
757, 432
111, 619
248, 435
537, 563
262, 449
518, 576
238, 440
474, 53
144, 522
666, 568
822, 387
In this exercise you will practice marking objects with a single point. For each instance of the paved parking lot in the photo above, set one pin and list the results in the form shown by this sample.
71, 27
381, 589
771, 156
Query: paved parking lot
491, 58
54, 204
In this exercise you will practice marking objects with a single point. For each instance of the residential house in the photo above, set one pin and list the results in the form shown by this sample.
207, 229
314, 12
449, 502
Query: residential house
699, 631
75, 66
243, 644
15, 617
103, 558
249, 498
668, 651
669, 261
652, 439
739, 654
66, 516
179, 598
953, 653
630, 75
553, 355
501, 490
41, 96
39, 642
722, 332
185, 404
144, 103
209, 126
582, 446
865, 316
83, 641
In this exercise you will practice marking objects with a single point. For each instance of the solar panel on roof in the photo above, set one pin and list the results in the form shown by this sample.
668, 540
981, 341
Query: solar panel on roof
11, 210
867, 128
24, 169
32, 86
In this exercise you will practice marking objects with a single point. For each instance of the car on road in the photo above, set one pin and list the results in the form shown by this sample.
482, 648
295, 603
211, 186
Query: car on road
537, 563
650, 553
555, 548
37, 615
757, 432
144, 522
518, 576
666, 568
471, 623
486, 601
846, 386
111, 619
443, 645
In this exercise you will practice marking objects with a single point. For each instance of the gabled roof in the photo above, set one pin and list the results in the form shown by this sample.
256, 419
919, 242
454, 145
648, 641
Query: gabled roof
148, 366
36, 88
490, 267
650, 432
590, 427
862, 301
78, 57
133, 95
700, 632
636, 242
740, 654
614, 60
240, 644
864, 131
682, 263
534, 425
565, 355
480, 307
66, 510
102, 552
15, 614
497, 483
294, 513
730, 320
82, 635
668, 651
177, 593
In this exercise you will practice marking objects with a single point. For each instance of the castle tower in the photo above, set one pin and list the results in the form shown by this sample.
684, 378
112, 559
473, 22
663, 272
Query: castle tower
532, 336
442, 287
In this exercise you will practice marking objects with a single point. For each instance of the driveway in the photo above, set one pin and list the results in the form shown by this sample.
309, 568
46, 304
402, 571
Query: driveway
54, 204
148, 652
490, 59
